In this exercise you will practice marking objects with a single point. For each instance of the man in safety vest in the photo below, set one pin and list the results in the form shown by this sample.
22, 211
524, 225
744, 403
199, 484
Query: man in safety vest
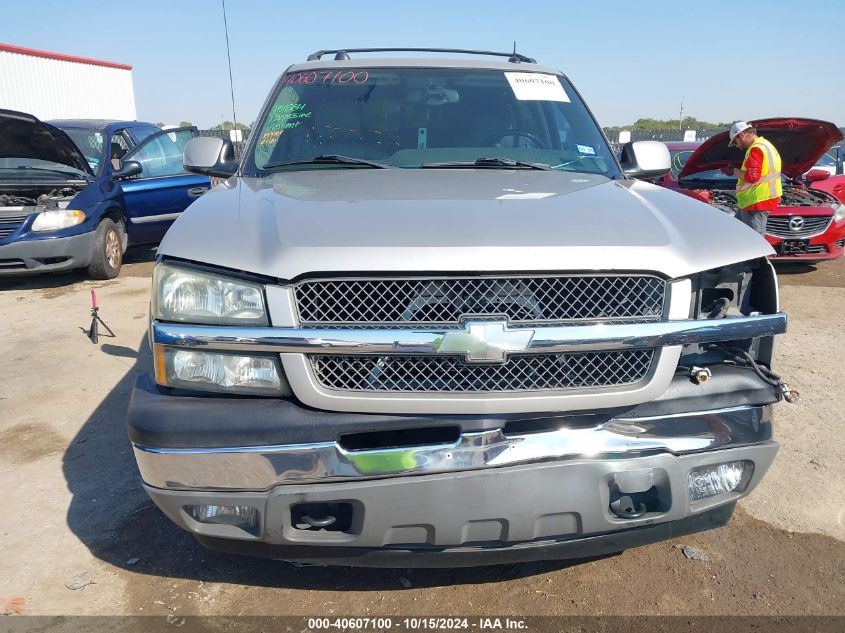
758, 187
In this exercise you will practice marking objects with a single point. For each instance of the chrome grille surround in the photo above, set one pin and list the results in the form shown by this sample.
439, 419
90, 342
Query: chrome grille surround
779, 225
444, 301
449, 374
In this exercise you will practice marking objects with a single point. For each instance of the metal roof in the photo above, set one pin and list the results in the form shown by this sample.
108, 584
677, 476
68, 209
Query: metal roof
33, 52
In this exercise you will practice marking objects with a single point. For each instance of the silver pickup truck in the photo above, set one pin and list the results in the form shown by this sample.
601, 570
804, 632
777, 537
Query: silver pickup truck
428, 319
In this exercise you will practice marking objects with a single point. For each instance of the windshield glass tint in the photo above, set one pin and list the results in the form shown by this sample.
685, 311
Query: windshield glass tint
90, 143
407, 117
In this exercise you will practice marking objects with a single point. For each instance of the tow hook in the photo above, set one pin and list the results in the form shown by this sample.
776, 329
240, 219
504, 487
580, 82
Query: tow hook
624, 508
629, 494
790, 395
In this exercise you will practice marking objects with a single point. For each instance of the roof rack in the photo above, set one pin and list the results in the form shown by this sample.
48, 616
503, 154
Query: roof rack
342, 54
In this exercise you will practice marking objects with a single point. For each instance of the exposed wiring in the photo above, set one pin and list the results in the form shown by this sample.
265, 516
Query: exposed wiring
742, 358
719, 309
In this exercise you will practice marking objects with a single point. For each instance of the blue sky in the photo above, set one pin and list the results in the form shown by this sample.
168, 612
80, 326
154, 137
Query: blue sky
727, 60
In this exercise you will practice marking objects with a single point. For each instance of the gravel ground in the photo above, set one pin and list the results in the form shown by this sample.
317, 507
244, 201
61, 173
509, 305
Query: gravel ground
74, 513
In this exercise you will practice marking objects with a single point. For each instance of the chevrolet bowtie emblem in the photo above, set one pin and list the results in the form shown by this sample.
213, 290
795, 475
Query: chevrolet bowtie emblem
485, 341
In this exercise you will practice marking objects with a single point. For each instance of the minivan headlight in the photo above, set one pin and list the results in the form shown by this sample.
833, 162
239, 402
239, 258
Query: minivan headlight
196, 296
55, 220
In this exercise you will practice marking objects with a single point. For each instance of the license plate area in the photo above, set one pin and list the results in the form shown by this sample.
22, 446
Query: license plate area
794, 247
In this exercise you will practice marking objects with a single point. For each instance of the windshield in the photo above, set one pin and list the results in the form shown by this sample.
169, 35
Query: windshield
37, 168
826, 161
679, 160
90, 143
419, 117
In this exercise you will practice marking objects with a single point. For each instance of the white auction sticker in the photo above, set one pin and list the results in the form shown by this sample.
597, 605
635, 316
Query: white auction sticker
536, 87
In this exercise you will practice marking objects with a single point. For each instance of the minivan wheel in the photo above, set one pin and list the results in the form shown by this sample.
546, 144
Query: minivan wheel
108, 251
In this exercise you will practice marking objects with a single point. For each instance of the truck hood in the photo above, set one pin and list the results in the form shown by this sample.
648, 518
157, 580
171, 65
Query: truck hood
24, 136
800, 143
454, 220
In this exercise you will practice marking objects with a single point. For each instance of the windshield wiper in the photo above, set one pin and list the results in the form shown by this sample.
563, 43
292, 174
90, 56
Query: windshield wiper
328, 159
66, 174
494, 162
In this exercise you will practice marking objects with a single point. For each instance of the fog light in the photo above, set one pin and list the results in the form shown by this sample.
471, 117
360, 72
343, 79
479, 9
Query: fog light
716, 479
244, 517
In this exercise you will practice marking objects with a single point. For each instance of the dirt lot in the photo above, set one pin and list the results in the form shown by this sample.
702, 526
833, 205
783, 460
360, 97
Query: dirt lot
72, 502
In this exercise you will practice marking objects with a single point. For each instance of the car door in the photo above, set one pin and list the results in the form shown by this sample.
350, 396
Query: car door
163, 189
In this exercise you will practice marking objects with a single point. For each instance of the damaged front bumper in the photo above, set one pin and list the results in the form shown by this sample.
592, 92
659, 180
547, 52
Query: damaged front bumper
489, 497
277, 478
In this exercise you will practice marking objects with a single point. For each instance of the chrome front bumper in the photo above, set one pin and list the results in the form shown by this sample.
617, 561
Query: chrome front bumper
546, 339
260, 468
294, 344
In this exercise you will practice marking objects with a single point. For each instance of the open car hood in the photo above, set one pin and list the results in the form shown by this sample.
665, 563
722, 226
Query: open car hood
800, 142
24, 136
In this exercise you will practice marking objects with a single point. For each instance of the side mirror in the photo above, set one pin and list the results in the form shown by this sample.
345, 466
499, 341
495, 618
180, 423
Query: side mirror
127, 169
814, 175
210, 156
645, 159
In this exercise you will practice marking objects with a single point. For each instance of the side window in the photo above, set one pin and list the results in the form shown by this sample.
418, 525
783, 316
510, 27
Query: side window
161, 154
140, 133
119, 148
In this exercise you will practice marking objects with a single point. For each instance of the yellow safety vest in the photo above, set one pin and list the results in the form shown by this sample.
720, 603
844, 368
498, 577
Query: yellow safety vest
768, 187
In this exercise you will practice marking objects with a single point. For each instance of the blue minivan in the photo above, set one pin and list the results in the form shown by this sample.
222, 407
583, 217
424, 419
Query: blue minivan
75, 193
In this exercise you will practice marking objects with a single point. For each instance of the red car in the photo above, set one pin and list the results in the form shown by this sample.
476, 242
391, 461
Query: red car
809, 225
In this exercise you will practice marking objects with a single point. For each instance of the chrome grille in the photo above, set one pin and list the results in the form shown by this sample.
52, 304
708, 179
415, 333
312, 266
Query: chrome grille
816, 249
439, 374
839, 243
443, 301
779, 225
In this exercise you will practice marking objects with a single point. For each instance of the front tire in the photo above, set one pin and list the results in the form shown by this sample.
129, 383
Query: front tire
108, 251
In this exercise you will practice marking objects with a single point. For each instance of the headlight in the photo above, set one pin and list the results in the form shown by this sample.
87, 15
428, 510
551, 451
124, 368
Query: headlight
839, 213
195, 296
218, 371
55, 220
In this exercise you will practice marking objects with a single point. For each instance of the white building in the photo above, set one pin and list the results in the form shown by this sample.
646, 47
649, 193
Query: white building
55, 86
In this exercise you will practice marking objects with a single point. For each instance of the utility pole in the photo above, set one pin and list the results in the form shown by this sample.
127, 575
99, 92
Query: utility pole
681, 116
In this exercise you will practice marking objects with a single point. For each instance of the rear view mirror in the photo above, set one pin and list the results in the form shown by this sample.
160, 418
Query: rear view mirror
210, 156
645, 159
814, 175
433, 96
127, 169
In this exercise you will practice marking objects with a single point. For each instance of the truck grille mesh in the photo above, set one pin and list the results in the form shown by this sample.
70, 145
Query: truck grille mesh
524, 372
779, 225
524, 300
